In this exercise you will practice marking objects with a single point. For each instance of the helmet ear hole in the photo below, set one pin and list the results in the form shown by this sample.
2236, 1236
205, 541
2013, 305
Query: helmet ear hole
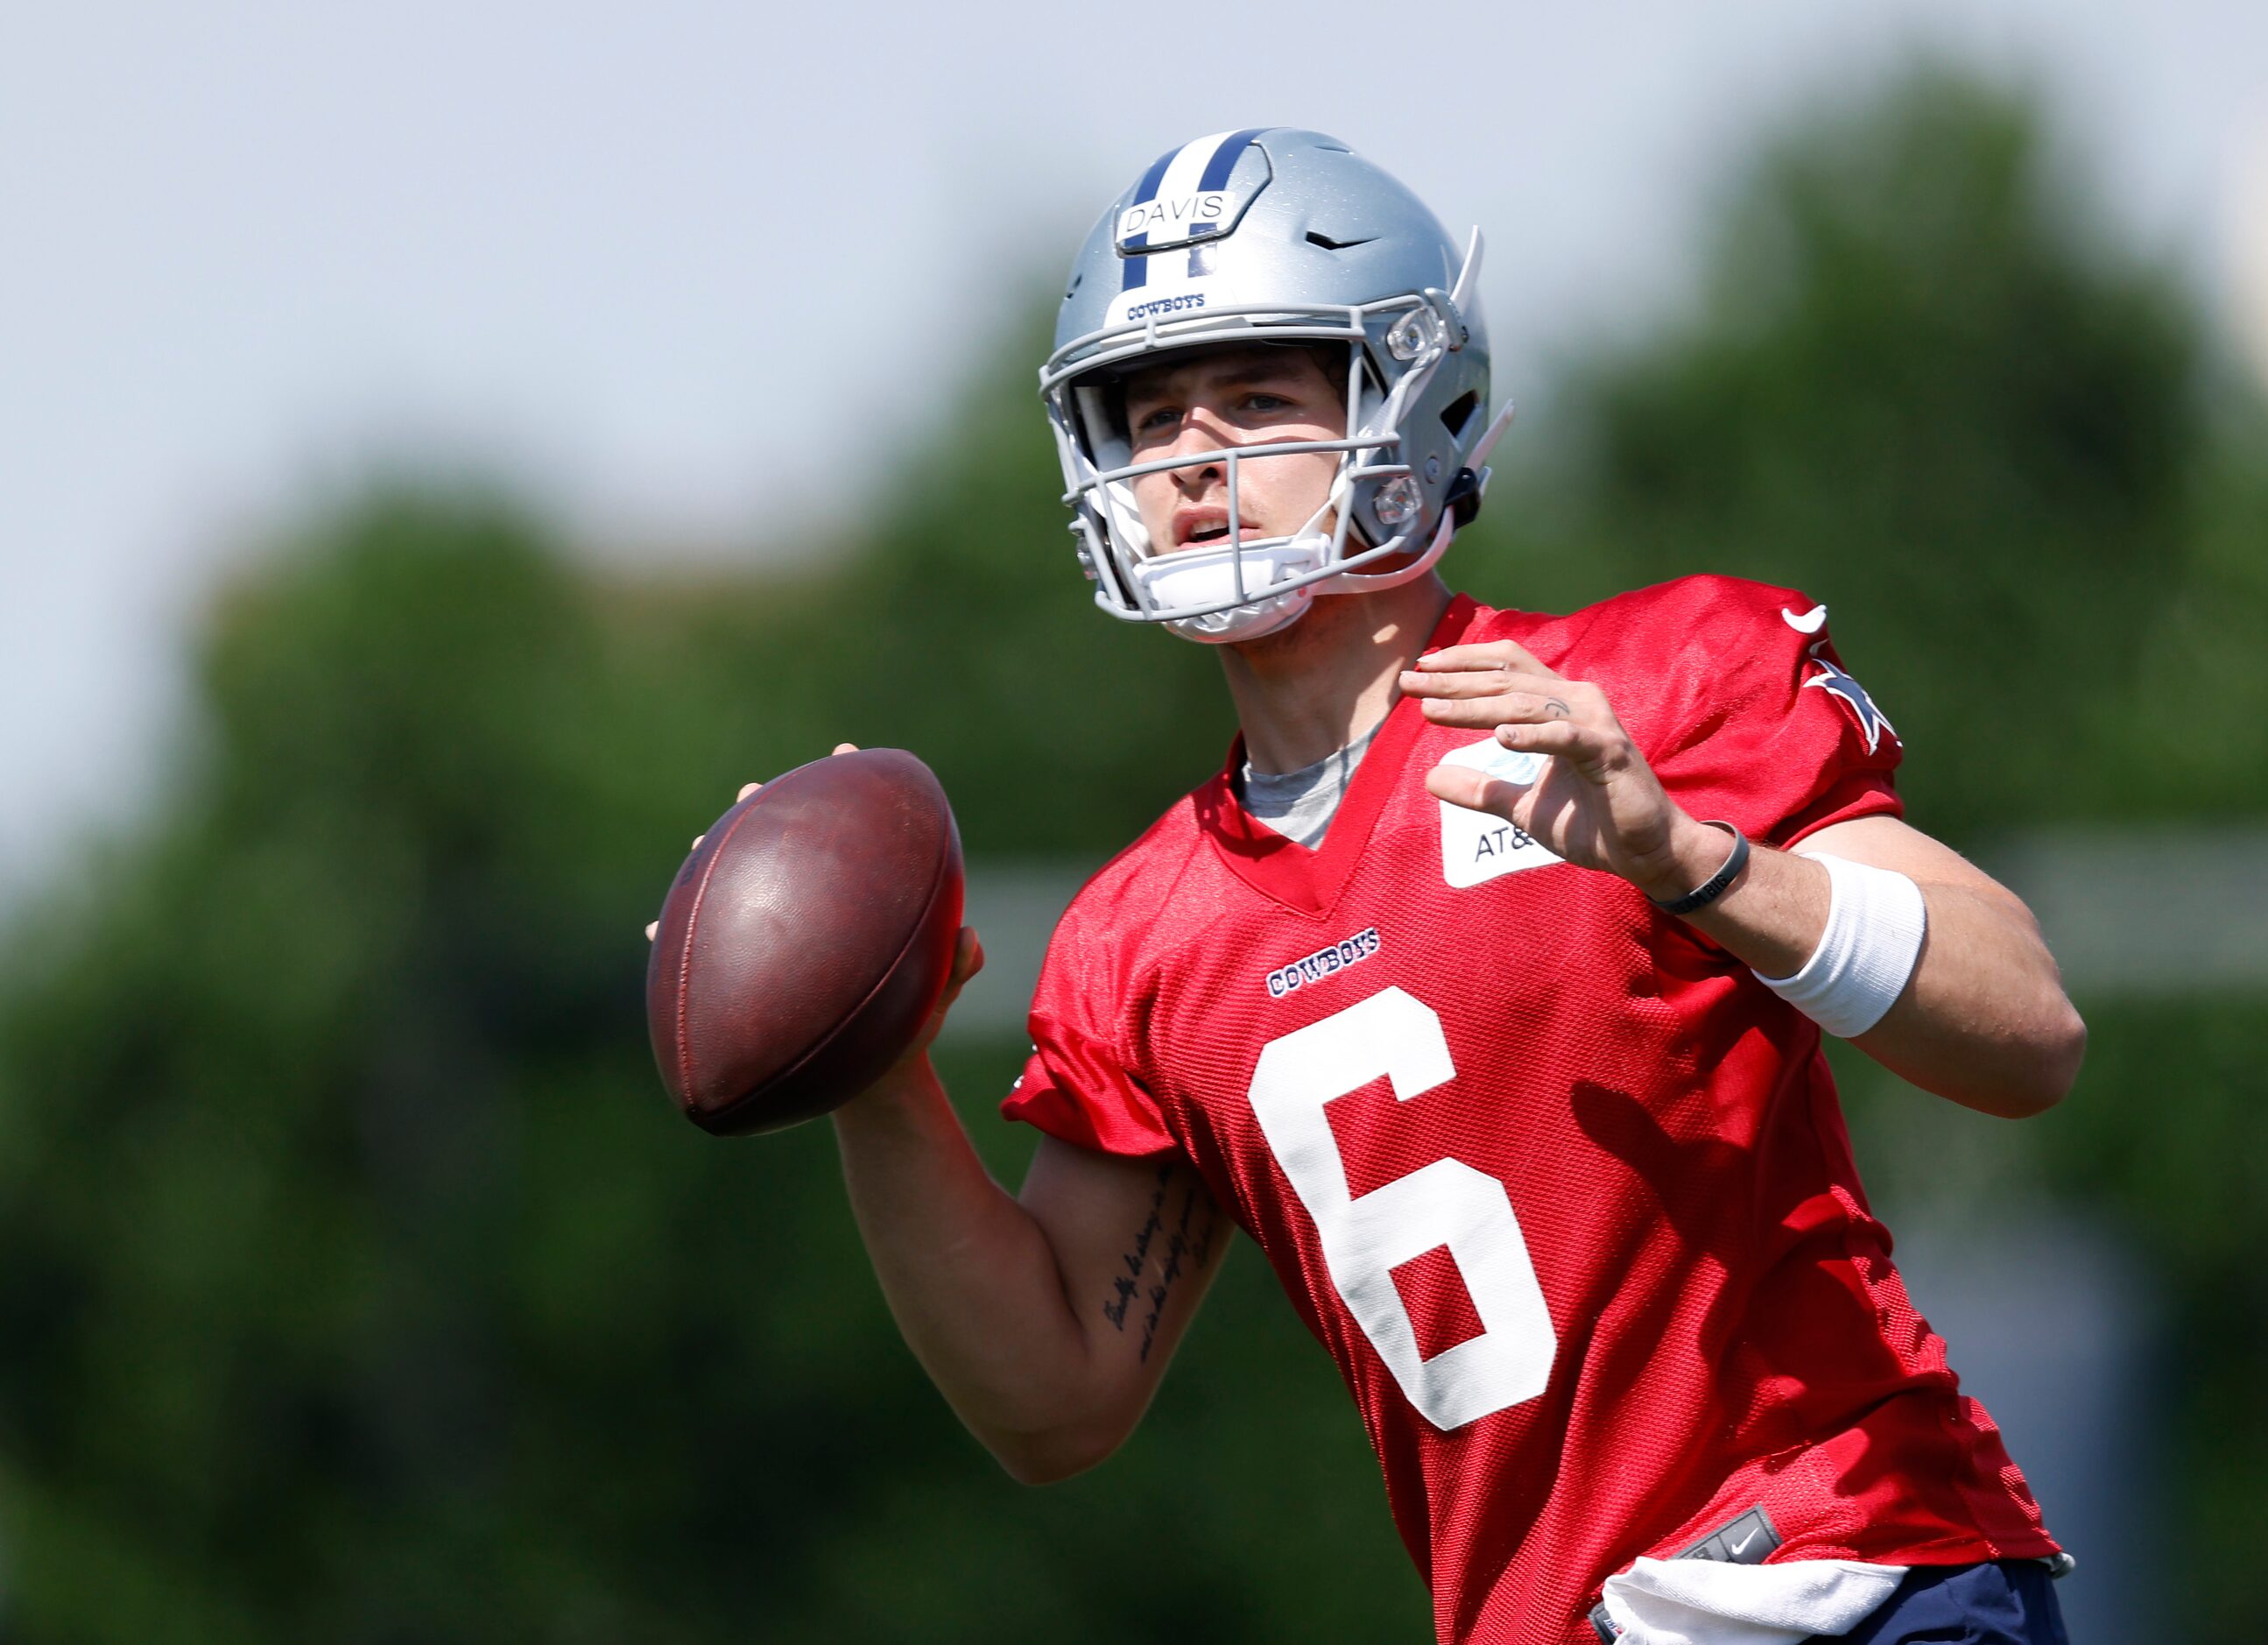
1459, 412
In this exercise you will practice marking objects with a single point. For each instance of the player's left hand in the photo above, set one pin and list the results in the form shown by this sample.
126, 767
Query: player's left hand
1598, 803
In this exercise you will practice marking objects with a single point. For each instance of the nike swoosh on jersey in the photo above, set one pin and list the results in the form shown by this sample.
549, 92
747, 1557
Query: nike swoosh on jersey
1810, 623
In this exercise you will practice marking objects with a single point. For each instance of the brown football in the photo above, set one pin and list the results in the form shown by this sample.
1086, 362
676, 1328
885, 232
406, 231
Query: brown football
805, 942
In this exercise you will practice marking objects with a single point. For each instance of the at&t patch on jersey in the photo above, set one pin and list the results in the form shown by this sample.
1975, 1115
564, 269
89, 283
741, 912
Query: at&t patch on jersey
1476, 846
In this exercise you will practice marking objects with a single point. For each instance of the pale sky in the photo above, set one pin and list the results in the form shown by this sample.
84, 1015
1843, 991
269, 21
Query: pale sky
693, 273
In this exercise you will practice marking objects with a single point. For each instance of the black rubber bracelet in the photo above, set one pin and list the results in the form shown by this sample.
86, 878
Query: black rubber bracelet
1715, 885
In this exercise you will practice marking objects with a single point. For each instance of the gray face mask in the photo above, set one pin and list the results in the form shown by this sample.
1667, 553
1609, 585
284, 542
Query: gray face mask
1275, 236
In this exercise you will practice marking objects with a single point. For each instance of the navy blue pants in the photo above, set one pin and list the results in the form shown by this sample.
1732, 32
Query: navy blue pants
2012, 1603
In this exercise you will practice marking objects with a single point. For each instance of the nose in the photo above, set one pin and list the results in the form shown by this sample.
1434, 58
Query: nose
1200, 434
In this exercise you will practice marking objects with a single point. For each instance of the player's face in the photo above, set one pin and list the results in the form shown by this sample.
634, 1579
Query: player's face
1249, 396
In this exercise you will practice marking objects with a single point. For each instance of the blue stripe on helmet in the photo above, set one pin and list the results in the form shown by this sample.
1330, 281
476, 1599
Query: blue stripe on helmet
1146, 190
1134, 262
1224, 158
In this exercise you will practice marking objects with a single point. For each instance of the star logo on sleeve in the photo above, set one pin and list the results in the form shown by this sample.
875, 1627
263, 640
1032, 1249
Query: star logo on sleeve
1872, 721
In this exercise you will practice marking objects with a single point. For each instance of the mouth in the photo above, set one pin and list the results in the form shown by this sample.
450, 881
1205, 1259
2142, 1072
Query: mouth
1204, 528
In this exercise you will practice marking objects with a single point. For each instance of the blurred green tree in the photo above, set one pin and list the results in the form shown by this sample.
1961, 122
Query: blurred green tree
1922, 385
355, 1282
359, 1284
1918, 385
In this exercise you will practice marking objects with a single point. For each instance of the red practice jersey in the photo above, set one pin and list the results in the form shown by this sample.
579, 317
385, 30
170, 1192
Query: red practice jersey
1565, 1191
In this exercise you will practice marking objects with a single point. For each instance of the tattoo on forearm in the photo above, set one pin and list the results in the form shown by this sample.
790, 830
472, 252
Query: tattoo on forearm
1186, 1222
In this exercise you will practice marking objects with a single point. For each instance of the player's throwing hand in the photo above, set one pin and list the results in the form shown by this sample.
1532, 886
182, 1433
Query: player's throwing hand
1598, 803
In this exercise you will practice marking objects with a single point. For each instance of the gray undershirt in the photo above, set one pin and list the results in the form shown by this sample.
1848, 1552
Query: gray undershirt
1300, 805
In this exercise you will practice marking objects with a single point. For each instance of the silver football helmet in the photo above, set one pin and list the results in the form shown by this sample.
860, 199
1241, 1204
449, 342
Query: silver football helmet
1264, 236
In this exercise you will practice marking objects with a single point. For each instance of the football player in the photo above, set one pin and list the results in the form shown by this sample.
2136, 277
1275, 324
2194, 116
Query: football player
1482, 988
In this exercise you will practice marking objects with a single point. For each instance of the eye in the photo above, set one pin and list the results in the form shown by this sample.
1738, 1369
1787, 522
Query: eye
1156, 417
1261, 400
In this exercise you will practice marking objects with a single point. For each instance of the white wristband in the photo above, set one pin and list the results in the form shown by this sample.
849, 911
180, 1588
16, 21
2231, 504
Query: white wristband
1875, 922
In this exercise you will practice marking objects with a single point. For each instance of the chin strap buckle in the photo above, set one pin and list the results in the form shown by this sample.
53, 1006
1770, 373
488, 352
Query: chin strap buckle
1463, 500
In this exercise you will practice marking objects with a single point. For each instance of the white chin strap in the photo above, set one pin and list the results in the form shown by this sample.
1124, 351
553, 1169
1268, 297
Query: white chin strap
1207, 576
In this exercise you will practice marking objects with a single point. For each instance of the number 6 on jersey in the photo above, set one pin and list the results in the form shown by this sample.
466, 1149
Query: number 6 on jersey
1398, 1037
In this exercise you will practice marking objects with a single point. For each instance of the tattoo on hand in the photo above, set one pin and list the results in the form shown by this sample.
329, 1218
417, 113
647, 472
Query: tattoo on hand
1555, 708
1194, 1217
